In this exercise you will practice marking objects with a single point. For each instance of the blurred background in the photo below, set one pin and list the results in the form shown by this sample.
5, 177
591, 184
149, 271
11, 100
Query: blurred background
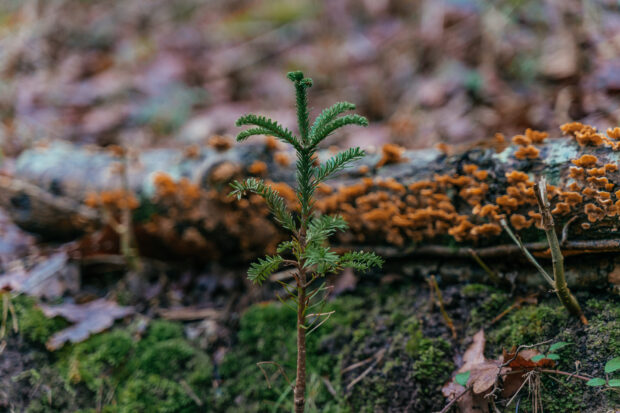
160, 73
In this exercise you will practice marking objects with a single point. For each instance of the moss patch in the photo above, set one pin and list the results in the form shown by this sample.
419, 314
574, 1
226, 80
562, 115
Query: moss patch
391, 330
160, 372
591, 346
33, 324
410, 357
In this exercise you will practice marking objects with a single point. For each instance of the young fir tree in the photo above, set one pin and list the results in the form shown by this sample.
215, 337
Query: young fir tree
311, 256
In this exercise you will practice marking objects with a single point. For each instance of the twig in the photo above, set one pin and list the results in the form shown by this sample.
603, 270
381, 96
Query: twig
565, 229
329, 386
378, 358
527, 380
451, 403
527, 254
280, 369
525, 347
433, 283
562, 290
517, 304
564, 373
191, 393
358, 364
538, 248
492, 274
329, 314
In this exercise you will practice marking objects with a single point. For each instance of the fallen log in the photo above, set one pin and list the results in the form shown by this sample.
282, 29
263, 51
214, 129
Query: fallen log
400, 203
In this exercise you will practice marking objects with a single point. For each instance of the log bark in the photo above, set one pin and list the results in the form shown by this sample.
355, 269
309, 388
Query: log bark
45, 193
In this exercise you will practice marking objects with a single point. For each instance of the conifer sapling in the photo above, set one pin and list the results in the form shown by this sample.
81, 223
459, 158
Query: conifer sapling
311, 256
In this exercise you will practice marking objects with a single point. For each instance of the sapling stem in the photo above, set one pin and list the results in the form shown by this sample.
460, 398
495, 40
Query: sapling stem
558, 282
561, 287
310, 231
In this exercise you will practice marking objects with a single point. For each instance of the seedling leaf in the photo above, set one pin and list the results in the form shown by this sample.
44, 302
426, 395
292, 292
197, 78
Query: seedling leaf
538, 357
552, 357
595, 382
612, 365
614, 383
462, 378
557, 346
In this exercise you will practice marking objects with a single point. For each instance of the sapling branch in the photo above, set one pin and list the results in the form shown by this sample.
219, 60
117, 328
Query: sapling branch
527, 254
310, 232
566, 297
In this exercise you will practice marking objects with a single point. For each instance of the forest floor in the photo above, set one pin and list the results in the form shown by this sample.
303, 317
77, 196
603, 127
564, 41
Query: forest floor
386, 348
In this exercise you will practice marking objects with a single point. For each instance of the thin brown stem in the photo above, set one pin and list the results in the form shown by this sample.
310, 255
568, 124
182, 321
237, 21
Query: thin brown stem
561, 287
434, 286
492, 274
299, 391
300, 380
564, 373
527, 254
279, 367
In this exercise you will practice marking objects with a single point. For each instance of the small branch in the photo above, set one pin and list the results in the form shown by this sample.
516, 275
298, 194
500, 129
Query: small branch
517, 304
527, 254
321, 323
433, 284
329, 386
564, 373
565, 229
358, 364
280, 369
492, 274
190, 392
562, 290
378, 357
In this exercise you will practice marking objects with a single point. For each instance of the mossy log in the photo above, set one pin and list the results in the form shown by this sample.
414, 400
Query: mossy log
421, 203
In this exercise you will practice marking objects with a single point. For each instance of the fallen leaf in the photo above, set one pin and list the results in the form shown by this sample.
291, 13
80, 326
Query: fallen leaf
474, 354
90, 318
474, 363
50, 278
527, 359
484, 375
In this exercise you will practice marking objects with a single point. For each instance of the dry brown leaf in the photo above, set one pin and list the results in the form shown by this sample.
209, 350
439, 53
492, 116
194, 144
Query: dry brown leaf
90, 318
474, 354
475, 362
50, 278
483, 376
524, 360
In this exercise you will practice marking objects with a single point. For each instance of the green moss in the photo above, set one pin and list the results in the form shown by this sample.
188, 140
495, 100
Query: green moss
99, 361
268, 333
414, 343
176, 359
434, 364
528, 325
482, 315
591, 346
34, 326
160, 330
475, 290
154, 393
163, 372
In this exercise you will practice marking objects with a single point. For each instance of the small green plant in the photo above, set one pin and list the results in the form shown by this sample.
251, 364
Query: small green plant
312, 256
611, 366
551, 355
